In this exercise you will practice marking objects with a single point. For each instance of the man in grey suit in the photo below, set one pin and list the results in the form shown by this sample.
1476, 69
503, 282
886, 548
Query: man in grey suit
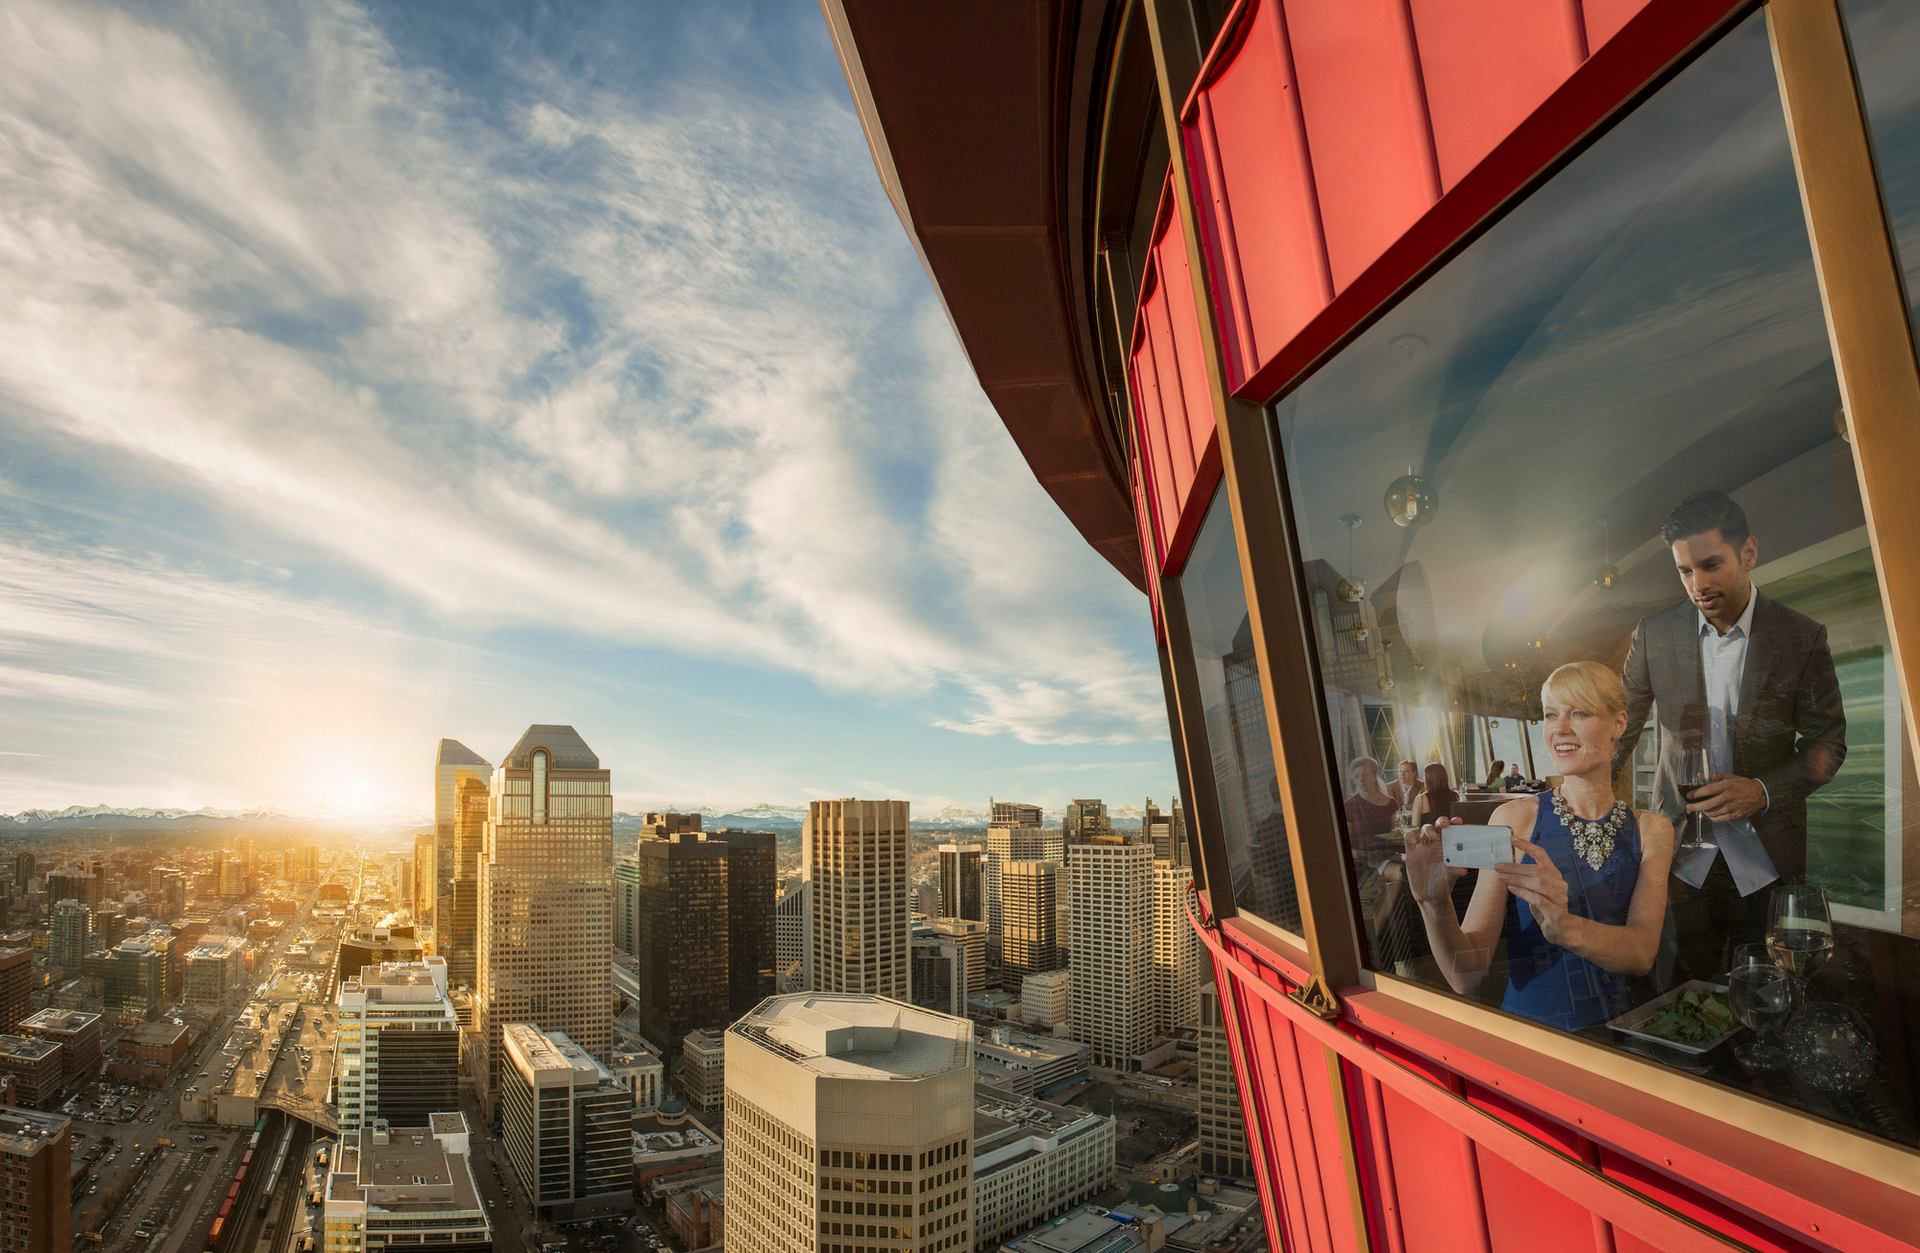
1752, 682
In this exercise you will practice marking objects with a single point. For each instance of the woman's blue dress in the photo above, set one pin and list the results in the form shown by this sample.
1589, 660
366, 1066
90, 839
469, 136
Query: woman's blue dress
1550, 984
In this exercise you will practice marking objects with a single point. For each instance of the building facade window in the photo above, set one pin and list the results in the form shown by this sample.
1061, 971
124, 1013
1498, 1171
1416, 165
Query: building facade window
1587, 499
540, 787
1239, 751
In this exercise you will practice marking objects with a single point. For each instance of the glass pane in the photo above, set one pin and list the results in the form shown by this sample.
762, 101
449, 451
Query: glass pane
1885, 35
540, 787
1234, 704
1489, 482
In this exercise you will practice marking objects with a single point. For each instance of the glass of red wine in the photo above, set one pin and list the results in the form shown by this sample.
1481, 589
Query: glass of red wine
1696, 771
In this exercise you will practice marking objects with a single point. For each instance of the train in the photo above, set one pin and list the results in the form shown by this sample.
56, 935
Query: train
224, 1220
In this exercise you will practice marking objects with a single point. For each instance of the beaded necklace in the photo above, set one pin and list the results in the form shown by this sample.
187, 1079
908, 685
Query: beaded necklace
1592, 838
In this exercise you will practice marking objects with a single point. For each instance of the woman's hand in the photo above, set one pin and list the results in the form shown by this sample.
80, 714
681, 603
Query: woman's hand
1541, 886
1429, 877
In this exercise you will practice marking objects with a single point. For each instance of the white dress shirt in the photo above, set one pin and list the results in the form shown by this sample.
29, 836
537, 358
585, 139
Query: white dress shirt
1723, 663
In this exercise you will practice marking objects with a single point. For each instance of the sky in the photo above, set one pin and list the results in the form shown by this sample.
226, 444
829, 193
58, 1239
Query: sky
378, 373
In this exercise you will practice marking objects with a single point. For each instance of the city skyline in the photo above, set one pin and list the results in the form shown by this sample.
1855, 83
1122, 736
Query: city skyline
290, 487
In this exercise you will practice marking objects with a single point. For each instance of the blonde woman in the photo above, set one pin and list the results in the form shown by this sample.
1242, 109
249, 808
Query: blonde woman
1582, 903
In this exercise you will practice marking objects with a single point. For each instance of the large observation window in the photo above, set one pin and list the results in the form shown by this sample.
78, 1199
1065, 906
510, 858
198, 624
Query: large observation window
1501, 481
1885, 35
1240, 753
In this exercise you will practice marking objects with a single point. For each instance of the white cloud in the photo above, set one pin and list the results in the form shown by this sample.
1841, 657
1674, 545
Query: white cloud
604, 359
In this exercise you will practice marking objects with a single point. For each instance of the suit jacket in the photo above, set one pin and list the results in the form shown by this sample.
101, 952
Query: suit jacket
1791, 732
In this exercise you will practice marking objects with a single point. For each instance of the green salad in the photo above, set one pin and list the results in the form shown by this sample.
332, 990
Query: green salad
1692, 1018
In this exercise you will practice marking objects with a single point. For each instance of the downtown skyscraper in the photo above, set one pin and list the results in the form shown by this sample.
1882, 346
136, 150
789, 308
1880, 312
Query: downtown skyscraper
545, 931
854, 860
1111, 985
453, 764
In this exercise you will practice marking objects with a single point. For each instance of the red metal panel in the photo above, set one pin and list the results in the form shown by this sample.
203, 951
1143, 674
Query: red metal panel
1366, 120
1525, 1207
1174, 442
1264, 1077
1604, 18
1487, 64
1176, 277
1749, 1230
1150, 430
1260, 190
1303, 1147
1438, 1197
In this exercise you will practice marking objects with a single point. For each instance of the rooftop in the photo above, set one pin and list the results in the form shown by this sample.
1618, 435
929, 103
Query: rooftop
568, 751
411, 1173
858, 1037
25, 1048
454, 753
26, 1131
551, 1051
61, 1020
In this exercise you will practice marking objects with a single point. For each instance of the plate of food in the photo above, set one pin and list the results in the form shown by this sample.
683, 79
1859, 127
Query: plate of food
1694, 1018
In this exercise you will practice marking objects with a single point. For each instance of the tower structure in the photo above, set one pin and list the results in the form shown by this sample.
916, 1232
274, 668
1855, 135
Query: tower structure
564, 1121
681, 922
1176, 950
853, 855
1085, 817
1030, 942
36, 1158
453, 763
398, 1051
1111, 989
1015, 834
545, 930
1223, 1128
962, 882
849, 1127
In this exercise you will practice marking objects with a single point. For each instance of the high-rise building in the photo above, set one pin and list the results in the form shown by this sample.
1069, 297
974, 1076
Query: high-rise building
1111, 991
16, 986
79, 1035
453, 764
939, 972
306, 864
752, 871
1044, 1000
213, 970
423, 890
74, 883
1223, 1128
1008, 842
545, 952
36, 1069
406, 1187
682, 950
971, 937
136, 975
626, 905
790, 930
1032, 1161
1084, 819
68, 944
668, 822
22, 872
398, 1051
564, 1121
1176, 951
1014, 814
1029, 939
1166, 830
850, 1126
459, 937
963, 882
703, 1070
36, 1158
854, 853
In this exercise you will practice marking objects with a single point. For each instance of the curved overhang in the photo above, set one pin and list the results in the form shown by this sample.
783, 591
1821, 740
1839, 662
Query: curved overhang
965, 107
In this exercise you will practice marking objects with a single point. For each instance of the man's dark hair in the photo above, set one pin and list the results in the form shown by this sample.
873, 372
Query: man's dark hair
1707, 511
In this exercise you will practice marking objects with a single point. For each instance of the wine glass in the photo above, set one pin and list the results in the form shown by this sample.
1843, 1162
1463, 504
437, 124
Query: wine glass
1696, 771
1799, 929
1761, 995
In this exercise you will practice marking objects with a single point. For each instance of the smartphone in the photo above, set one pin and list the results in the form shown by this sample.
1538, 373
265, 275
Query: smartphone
1476, 848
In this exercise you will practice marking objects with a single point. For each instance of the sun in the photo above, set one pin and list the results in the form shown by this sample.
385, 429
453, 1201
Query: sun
353, 795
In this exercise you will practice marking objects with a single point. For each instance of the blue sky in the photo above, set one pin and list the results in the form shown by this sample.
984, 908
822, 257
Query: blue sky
379, 373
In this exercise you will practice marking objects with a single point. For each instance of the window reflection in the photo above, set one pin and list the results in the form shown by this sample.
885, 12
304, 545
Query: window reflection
1885, 35
1480, 483
1234, 707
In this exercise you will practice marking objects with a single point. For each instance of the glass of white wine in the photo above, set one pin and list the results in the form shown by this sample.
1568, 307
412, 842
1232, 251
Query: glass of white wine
1761, 996
1799, 929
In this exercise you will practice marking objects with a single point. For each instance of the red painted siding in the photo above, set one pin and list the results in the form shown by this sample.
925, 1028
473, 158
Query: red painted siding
1487, 64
